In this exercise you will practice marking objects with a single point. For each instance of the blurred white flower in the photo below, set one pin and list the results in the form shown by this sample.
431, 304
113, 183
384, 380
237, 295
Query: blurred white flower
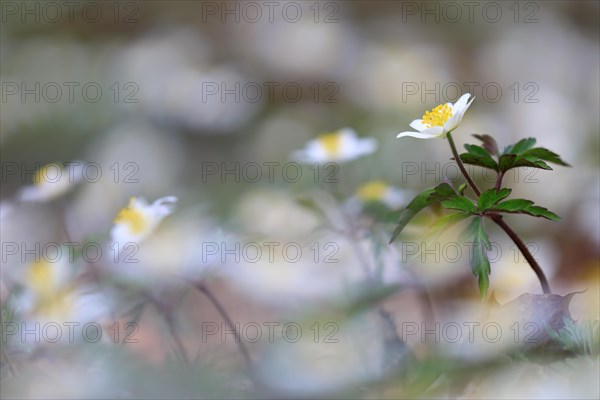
52, 180
380, 191
339, 146
440, 120
51, 295
139, 219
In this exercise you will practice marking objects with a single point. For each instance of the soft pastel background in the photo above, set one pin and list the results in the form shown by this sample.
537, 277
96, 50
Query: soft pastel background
355, 70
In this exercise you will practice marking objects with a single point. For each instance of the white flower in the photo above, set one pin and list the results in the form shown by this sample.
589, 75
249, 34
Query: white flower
139, 219
380, 191
50, 295
342, 145
441, 120
52, 180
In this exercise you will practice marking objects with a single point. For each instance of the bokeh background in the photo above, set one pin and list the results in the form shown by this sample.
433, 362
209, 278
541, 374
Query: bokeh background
320, 66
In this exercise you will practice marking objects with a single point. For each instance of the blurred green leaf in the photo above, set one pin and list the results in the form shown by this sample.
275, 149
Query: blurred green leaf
422, 200
460, 203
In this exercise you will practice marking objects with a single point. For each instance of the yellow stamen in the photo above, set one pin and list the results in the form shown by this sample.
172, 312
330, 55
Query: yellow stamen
39, 278
331, 142
372, 191
438, 116
133, 217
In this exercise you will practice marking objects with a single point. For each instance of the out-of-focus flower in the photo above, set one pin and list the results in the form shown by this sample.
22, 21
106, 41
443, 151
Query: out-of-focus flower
52, 180
139, 219
51, 295
440, 120
380, 191
339, 146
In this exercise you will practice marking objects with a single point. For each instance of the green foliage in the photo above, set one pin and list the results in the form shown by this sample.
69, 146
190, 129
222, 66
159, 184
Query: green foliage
480, 264
520, 154
460, 203
428, 197
522, 206
491, 197
477, 155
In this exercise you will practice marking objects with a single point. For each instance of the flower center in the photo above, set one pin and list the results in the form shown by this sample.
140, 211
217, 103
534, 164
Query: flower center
59, 305
438, 116
331, 142
133, 217
372, 191
39, 278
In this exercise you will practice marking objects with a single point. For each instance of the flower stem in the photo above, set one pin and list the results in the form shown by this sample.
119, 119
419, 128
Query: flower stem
528, 256
219, 307
461, 166
499, 181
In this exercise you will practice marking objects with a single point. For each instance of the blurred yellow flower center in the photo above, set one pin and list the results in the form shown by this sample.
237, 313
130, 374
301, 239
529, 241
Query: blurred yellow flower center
46, 174
39, 278
133, 217
438, 116
331, 142
372, 191
58, 306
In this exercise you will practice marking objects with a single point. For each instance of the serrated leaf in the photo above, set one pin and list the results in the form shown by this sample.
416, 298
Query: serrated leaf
480, 264
441, 192
477, 155
446, 222
544, 154
460, 203
523, 206
491, 197
489, 143
422, 200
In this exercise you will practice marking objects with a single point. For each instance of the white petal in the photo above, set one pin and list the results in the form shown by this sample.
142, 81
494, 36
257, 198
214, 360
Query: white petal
461, 105
417, 135
418, 125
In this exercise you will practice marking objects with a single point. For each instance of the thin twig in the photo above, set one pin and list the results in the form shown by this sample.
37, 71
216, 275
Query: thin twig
219, 307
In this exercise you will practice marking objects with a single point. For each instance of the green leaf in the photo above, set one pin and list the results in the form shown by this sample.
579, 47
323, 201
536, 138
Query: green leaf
522, 154
544, 154
520, 146
441, 192
460, 203
523, 206
477, 155
461, 188
489, 144
491, 197
422, 200
446, 222
480, 264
